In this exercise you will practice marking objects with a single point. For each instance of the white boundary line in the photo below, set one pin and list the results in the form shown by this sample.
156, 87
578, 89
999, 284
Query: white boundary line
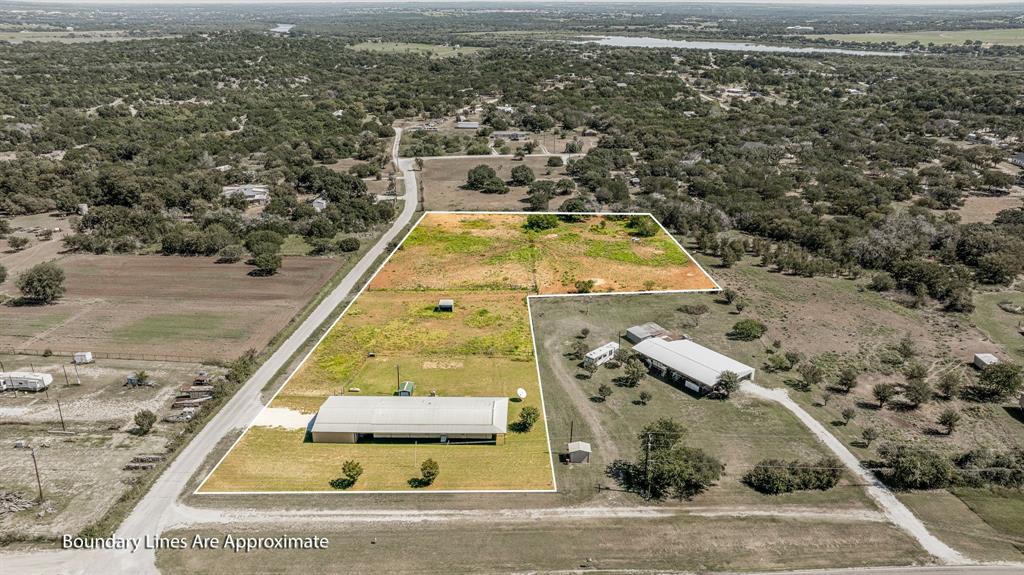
533, 339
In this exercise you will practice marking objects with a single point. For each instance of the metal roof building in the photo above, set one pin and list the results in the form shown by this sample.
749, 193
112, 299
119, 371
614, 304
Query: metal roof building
347, 419
638, 333
686, 359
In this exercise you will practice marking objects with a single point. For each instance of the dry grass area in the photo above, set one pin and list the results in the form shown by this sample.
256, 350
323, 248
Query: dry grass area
166, 306
983, 209
81, 472
443, 180
489, 264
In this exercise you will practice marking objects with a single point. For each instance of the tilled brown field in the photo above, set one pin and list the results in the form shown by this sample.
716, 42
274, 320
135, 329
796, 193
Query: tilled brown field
144, 306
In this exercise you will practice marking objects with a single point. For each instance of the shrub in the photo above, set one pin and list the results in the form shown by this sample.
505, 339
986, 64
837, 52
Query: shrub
522, 175
847, 379
883, 392
604, 392
915, 467
694, 309
999, 381
747, 330
541, 222
527, 417
774, 476
144, 421
17, 243
267, 264
230, 254
555, 162
348, 244
918, 392
351, 470
584, 286
882, 282
644, 397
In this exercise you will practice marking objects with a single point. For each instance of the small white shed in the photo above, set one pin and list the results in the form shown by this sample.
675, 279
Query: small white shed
83, 357
579, 452
983, 360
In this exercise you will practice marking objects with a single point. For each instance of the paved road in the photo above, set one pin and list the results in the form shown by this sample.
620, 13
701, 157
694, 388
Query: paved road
159, 507
894, 509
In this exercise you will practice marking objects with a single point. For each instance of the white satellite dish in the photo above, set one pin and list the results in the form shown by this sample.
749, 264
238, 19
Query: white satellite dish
521, 393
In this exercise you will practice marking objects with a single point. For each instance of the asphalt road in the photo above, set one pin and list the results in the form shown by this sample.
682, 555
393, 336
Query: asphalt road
158, 509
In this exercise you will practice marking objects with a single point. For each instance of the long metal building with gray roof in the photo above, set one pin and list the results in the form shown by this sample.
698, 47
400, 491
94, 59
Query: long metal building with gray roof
348, 419
685, 359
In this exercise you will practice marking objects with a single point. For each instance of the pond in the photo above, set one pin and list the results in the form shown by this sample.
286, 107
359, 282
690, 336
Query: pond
648, 42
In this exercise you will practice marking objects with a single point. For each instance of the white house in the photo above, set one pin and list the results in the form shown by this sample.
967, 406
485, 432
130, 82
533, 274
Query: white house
602, 354
248, 192
697, 366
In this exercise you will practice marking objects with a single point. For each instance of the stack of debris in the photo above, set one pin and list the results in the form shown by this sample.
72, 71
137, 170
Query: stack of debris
13, 503
142, 462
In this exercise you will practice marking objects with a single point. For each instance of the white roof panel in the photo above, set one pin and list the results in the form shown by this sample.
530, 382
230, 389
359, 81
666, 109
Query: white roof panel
691, 359
393, 414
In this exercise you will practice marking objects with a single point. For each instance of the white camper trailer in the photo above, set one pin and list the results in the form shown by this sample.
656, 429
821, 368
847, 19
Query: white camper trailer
25, 380
83, 357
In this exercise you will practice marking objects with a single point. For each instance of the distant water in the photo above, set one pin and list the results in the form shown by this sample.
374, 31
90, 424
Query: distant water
648, 42
283, 28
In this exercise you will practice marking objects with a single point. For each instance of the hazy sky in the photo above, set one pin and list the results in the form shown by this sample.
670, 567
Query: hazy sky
947, 3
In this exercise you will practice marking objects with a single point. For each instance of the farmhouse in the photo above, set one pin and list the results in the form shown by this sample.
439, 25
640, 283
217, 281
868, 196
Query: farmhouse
639, 333
248, 192
348, 419
698, 366
24, 380
602, 354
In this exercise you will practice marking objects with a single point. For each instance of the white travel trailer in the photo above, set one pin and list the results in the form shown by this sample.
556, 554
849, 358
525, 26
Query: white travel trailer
25, 380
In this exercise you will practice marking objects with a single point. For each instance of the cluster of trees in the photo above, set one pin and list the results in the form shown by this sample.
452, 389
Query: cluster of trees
775, 476
906, 466
664, 466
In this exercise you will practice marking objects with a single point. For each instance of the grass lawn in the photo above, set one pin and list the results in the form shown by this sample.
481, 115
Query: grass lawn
1005, 36
998, 324
985, 525
176, 327
432, 50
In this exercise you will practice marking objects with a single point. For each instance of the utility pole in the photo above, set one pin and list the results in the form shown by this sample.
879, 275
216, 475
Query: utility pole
647, 461
78, 379
61, 413
572, 424
39, 482
67, 381
398, 376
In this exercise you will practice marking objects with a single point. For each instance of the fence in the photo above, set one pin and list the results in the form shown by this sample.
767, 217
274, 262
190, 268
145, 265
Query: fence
108, 355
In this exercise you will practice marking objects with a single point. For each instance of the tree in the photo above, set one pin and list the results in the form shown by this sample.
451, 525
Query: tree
747, 330
847, 379
729, 381
429, 471
579, 350
349, 244
144, 421
883, 392
999, 381
811, 374
869, 435
141, 377
42, 283
915, 467
541, 222
775, 476
267, 264
848, 414
480, 176
644, 397
918, 391
17, 243
634, 371
351, 470
949, 418
522, 175
951, 383
230, 254
604, 392
906, 347
662, 433
527, 417
729, 295
555, 162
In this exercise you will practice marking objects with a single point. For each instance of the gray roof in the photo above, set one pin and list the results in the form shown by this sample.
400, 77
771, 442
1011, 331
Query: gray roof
392, 414
446, 303
696, 362
579, 446
646, 330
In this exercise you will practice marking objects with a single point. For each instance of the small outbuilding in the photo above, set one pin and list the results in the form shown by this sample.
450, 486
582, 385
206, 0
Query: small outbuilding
983, 360
81, 357
446, 305
578, 452
406, 389
639, 333
602, 354
25, 381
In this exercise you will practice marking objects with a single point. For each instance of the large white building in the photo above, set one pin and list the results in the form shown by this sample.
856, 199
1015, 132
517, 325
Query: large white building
347, 418
684, 359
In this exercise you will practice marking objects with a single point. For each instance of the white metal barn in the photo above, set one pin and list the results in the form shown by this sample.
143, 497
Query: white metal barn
25, 380
602, 354
347, 419
685, 359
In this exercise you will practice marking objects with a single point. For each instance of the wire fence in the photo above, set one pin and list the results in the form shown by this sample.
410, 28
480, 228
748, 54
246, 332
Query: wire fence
107, 355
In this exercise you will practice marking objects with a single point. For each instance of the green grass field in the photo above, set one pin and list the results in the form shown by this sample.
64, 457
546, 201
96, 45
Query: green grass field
432, 50
178, 327
998, 324
1004, 36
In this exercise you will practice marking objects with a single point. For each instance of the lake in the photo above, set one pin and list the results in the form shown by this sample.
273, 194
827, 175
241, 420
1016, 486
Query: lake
648, 42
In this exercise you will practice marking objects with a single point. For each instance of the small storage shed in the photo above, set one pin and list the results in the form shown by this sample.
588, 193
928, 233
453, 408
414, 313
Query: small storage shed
83, 357
579, 452
406, 388
446, 305
602, 354
983, 360
639, 333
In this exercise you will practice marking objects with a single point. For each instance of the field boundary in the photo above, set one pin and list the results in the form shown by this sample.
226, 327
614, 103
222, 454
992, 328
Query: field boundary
533, 341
